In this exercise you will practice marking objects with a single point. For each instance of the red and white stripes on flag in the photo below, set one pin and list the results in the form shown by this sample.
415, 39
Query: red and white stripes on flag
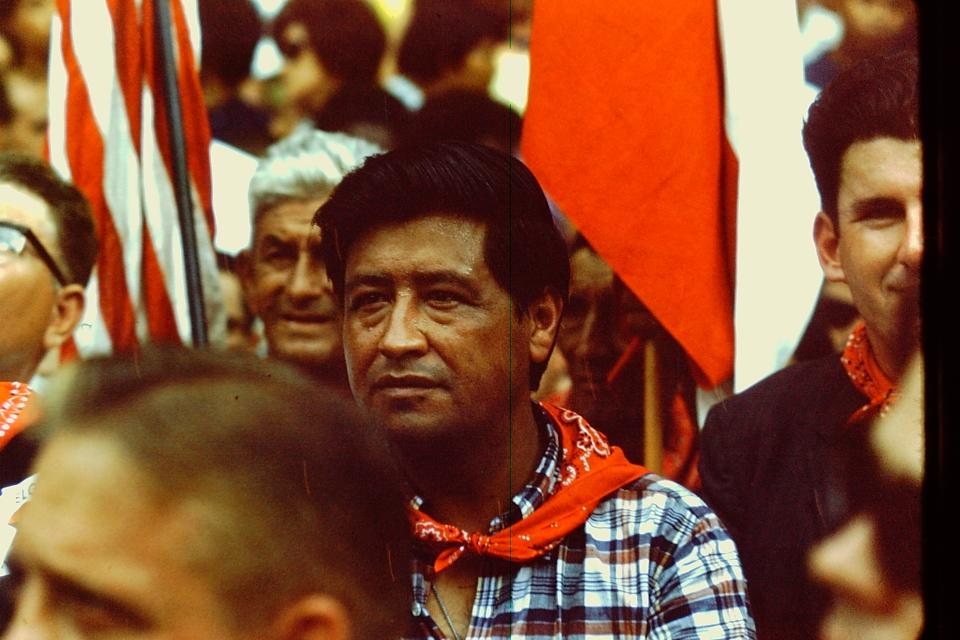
109, 134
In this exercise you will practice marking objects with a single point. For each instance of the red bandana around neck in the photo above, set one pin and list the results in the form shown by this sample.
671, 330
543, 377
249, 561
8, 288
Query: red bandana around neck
867, 376
17, 410
590, 470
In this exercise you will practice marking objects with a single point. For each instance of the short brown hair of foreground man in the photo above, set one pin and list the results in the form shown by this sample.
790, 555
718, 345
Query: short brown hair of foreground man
453, 278
203, 495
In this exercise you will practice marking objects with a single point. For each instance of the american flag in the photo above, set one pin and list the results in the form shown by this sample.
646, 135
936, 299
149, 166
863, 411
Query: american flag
109, 134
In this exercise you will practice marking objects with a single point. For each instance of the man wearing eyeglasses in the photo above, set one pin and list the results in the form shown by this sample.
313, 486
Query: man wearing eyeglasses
47, 249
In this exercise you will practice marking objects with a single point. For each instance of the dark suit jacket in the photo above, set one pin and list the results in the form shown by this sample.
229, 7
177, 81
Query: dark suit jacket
765, 467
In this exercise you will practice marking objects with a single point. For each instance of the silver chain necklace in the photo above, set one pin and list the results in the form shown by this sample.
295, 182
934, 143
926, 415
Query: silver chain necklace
446, 614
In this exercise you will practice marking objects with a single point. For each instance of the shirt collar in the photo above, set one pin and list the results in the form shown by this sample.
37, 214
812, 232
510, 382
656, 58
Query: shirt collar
541, 484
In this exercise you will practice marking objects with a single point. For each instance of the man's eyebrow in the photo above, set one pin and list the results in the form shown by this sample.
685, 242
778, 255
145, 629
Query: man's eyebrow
66, 588
447, 277
367, 280
879, 204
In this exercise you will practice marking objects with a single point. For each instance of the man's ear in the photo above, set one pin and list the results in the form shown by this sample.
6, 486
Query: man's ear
544, 314
827, 240
315, 616
65, 315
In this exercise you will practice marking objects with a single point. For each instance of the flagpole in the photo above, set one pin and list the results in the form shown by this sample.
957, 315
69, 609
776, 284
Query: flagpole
181, 179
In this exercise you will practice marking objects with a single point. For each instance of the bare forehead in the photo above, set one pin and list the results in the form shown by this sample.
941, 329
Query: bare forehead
292, 219
451, 241
30, 210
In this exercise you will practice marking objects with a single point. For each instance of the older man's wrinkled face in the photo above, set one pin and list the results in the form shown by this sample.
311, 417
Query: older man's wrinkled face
286, 284
27, 288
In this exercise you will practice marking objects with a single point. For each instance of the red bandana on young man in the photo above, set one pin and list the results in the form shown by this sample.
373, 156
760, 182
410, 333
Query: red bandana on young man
590, 470
867, 376
17, 410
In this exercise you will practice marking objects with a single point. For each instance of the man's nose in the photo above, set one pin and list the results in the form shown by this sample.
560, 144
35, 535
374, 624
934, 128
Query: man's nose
911, 247
308, 279
403, 334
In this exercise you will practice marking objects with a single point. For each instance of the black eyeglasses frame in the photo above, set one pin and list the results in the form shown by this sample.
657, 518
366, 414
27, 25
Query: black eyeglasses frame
42, 252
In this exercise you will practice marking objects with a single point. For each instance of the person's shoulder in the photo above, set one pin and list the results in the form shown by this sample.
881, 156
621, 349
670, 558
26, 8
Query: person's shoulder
779, 395
651, 503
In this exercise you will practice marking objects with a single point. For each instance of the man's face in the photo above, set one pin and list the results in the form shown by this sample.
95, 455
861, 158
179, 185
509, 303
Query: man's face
878, 245
286, 284
434, 347
304, 78
28, 127
99, 554
27, 288
600, 321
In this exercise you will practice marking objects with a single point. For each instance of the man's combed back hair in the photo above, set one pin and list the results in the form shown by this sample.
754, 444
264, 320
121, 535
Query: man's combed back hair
302, 495
877, 97
305, 165
346, 36
68, 208
524, 250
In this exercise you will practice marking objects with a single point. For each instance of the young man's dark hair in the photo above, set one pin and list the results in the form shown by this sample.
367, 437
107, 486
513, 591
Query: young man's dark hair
879, 97
442, 33
69, 210
524, 249
287, 498
346, 36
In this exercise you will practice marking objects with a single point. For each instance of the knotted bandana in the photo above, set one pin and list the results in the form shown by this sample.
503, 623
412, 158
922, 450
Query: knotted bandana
867, 376
17, 410
590, 470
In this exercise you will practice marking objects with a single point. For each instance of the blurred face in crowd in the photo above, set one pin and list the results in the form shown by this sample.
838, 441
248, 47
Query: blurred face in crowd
28, 291
240, 333
600, 321
305, 81
102, 553
877, 244
27, 128
30, 23
877, 21
434, 347
286, 284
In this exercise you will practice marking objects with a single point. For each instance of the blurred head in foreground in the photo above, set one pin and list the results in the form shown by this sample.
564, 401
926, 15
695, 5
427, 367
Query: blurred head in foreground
228, 497
871, 565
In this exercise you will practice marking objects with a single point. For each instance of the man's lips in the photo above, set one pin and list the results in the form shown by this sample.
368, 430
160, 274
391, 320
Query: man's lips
306, 317
400, 383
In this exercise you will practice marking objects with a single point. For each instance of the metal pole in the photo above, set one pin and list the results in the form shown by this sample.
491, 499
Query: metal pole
181, 175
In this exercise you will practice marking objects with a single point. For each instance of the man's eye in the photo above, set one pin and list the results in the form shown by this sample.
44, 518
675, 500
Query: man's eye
279, 256
368, 301
443, 299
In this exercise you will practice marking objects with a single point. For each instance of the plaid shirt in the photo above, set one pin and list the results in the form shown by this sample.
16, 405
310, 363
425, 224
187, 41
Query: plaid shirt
652, 561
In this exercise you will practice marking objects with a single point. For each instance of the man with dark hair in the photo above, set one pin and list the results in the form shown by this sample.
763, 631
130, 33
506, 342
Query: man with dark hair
188, 494
47, 249
327, 45
764, 452
453, 279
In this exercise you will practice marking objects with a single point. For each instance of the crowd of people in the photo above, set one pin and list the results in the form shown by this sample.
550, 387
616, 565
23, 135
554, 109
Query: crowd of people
429, 418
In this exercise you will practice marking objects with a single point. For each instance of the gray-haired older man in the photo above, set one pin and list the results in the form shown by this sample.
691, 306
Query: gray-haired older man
284, 280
